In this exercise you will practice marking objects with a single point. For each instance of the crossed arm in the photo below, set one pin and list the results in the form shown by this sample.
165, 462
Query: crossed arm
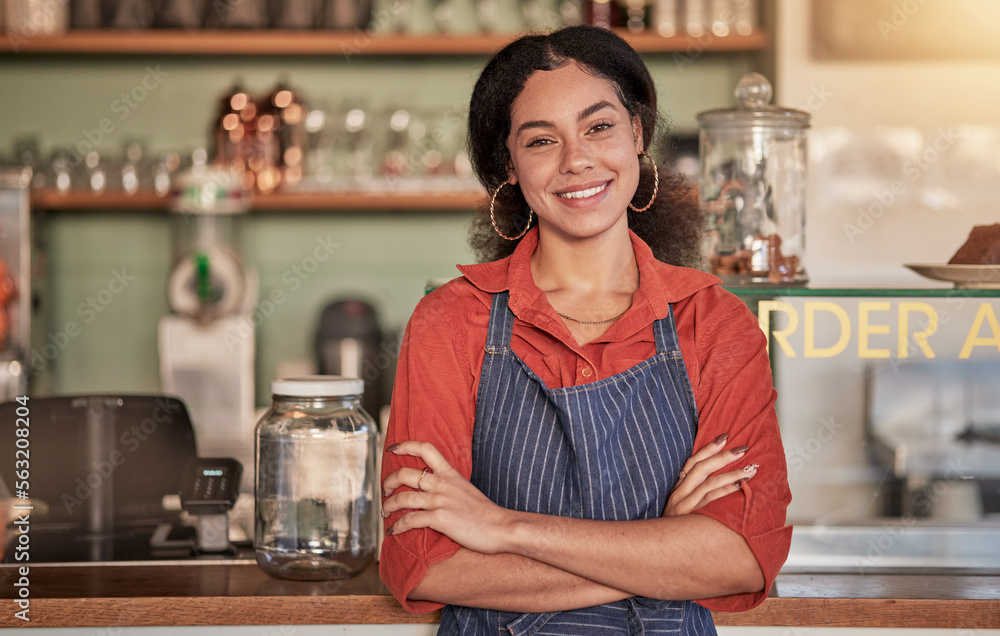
528, 562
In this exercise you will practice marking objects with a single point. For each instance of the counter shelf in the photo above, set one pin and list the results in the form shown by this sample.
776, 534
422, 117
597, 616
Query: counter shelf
241, 594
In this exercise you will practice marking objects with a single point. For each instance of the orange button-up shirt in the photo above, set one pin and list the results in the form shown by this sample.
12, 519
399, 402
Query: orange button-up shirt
441, 358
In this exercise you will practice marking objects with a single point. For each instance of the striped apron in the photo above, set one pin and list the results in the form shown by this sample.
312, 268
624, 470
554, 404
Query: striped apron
608, 450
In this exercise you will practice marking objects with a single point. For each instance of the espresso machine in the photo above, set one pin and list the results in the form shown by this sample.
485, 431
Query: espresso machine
207, 344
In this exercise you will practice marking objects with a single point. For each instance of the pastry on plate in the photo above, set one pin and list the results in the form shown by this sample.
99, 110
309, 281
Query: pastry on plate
981, 248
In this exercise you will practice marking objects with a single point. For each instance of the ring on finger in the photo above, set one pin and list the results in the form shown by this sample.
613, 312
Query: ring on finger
425, 471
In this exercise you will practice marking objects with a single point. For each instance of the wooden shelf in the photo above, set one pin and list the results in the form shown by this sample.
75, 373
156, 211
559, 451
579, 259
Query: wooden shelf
279, 202
145, 595
345, 43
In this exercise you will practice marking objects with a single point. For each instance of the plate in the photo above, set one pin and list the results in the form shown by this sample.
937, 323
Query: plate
964, 276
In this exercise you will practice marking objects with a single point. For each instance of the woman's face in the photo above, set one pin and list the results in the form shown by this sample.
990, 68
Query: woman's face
574, 150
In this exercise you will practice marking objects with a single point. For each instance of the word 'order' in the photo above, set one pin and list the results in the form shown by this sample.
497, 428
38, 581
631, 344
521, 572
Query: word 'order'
915, 323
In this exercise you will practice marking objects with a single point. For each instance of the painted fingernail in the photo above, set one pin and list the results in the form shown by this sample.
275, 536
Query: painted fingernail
385, 515
751, 468
721, 438
392, 449
391, 530
739, 450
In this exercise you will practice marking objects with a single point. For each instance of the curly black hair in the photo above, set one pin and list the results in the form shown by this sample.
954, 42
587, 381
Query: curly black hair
672, 227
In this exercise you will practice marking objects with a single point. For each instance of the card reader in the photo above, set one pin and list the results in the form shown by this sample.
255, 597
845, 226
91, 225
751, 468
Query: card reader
209, 489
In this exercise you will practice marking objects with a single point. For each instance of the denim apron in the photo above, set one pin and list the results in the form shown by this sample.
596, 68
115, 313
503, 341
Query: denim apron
608, 450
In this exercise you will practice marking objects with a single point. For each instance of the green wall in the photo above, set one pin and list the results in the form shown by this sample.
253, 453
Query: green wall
383, 256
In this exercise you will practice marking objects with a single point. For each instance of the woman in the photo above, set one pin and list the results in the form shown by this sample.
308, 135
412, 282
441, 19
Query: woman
540, 475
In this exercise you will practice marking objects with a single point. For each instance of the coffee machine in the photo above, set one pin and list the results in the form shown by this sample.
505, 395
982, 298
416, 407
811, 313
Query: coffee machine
207, 344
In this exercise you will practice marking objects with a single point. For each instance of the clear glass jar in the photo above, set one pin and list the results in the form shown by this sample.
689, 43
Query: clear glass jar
316, 510
753, 187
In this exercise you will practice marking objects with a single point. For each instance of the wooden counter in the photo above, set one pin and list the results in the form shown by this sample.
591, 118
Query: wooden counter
242, 594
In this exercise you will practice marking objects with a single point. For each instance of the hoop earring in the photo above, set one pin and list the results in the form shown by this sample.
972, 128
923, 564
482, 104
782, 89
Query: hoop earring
493, 218
656, 185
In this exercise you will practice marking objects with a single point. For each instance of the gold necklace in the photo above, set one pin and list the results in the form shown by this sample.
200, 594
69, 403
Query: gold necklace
595, 322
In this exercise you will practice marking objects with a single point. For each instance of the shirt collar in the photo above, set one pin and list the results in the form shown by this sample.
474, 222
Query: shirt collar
660, 284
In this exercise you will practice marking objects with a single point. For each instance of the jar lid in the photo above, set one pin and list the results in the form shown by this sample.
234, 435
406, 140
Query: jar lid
317, 386
753, 97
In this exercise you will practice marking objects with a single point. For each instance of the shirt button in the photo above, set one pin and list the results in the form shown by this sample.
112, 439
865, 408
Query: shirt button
587, 372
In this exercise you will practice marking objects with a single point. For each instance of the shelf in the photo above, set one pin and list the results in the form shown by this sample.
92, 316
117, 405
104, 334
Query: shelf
188, 594
346, 43
280, 202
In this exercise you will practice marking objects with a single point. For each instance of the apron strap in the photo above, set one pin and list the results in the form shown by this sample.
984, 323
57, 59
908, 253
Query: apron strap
501, 324
665, 333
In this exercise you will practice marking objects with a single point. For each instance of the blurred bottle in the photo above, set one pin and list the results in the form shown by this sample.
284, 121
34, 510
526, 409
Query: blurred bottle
721, 17
486, 15
500, 16
540, 15
61, 167
36, 17
665, 15
132, 14
236, 14
636, 15
347, 14
396, 163
264, 154
389, 16
295, 14
95, 173
136, 171
163, 173
234, 133
87, 14
745, 16
358, 159
288, 128
27, 153
442, 12
180, 14
602, 13
695, 17
571, 12
318, 164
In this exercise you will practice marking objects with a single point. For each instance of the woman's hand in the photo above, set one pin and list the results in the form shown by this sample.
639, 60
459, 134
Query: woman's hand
696, 486
443, 500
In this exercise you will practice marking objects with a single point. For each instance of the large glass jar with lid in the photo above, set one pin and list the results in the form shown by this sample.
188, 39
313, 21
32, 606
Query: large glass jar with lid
753, 187
316, 485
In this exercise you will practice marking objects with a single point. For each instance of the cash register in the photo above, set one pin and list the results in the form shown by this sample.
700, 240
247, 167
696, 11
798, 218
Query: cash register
117, 478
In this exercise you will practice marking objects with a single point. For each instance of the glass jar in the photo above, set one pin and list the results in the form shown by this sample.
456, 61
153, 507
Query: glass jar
316, 510
753, 187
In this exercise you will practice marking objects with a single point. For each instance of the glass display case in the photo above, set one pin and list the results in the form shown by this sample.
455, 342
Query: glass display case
889, 407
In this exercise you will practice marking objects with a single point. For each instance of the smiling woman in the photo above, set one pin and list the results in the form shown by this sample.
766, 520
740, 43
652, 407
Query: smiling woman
582, 437
672, 228
580, 166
